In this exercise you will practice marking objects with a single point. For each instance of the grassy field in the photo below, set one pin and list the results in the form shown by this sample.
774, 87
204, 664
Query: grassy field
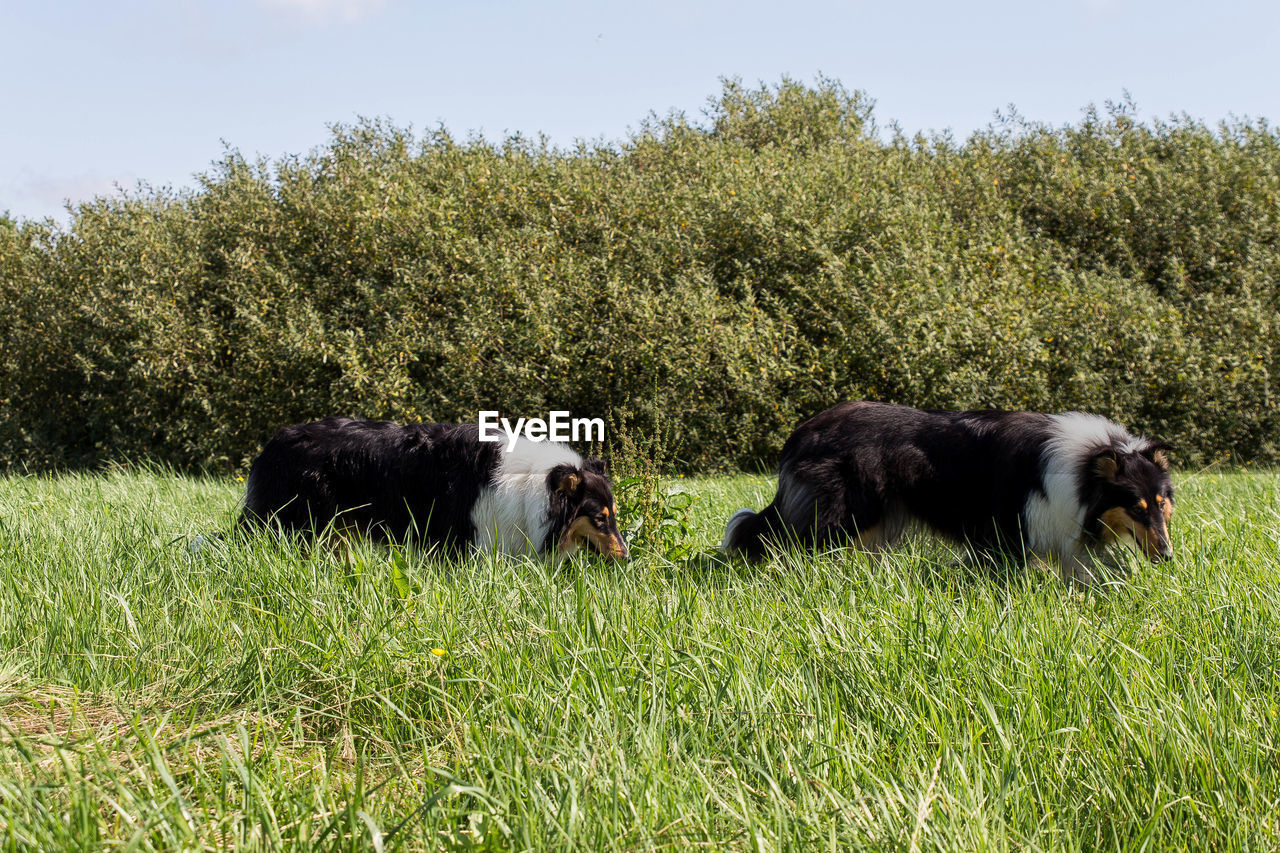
250, 696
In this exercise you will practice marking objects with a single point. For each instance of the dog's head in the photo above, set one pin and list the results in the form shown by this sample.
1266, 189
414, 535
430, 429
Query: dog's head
583, 511
1132, 498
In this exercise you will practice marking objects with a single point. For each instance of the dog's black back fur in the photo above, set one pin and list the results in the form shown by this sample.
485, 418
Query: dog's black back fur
389, 481
964, 474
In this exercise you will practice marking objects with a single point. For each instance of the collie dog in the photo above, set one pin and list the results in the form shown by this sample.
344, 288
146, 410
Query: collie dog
1061, 487
434, 485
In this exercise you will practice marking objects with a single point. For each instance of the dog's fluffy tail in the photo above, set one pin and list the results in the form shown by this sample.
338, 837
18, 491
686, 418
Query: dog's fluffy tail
747, 532
789, 519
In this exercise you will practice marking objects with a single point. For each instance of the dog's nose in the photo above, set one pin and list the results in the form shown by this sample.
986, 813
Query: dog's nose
618, 548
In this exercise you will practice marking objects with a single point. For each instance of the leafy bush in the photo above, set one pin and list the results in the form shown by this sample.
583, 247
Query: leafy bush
731, 276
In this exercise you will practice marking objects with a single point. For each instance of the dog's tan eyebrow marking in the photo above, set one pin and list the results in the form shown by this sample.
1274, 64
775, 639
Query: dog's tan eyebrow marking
1159, 501
1142, 503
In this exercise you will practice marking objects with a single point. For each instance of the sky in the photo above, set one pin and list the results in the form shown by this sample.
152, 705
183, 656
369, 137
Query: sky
100, 97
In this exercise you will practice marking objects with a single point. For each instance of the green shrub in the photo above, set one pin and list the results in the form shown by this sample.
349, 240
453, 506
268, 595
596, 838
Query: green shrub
732, 276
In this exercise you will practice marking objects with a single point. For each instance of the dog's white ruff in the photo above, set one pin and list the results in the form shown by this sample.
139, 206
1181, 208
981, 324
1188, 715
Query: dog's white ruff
1055, 519
511, 515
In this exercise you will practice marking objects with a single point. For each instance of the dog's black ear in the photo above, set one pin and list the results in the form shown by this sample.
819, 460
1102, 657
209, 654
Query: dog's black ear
1106, 465
1158, 452
565, 478
595, 466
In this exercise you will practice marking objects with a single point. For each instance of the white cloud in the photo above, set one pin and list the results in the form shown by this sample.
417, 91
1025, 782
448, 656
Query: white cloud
320, 11
40, 195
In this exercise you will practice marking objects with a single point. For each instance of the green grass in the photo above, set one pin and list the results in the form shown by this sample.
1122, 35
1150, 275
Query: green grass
251, 696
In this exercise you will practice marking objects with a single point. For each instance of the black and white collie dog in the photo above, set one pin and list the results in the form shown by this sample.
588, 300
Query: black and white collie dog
433, 485
1061, 487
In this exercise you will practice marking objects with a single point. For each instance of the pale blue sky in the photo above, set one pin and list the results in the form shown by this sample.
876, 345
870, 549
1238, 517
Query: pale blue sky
100, 93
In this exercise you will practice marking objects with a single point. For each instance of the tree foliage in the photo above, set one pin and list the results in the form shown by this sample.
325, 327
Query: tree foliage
733, 275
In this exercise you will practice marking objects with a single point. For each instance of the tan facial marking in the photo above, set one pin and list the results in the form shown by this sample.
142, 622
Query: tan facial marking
617, 549
1115, 523
576, 533
1148, 540
583, 531
1142, 504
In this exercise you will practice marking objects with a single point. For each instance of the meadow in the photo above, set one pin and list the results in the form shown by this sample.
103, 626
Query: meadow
250, 695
